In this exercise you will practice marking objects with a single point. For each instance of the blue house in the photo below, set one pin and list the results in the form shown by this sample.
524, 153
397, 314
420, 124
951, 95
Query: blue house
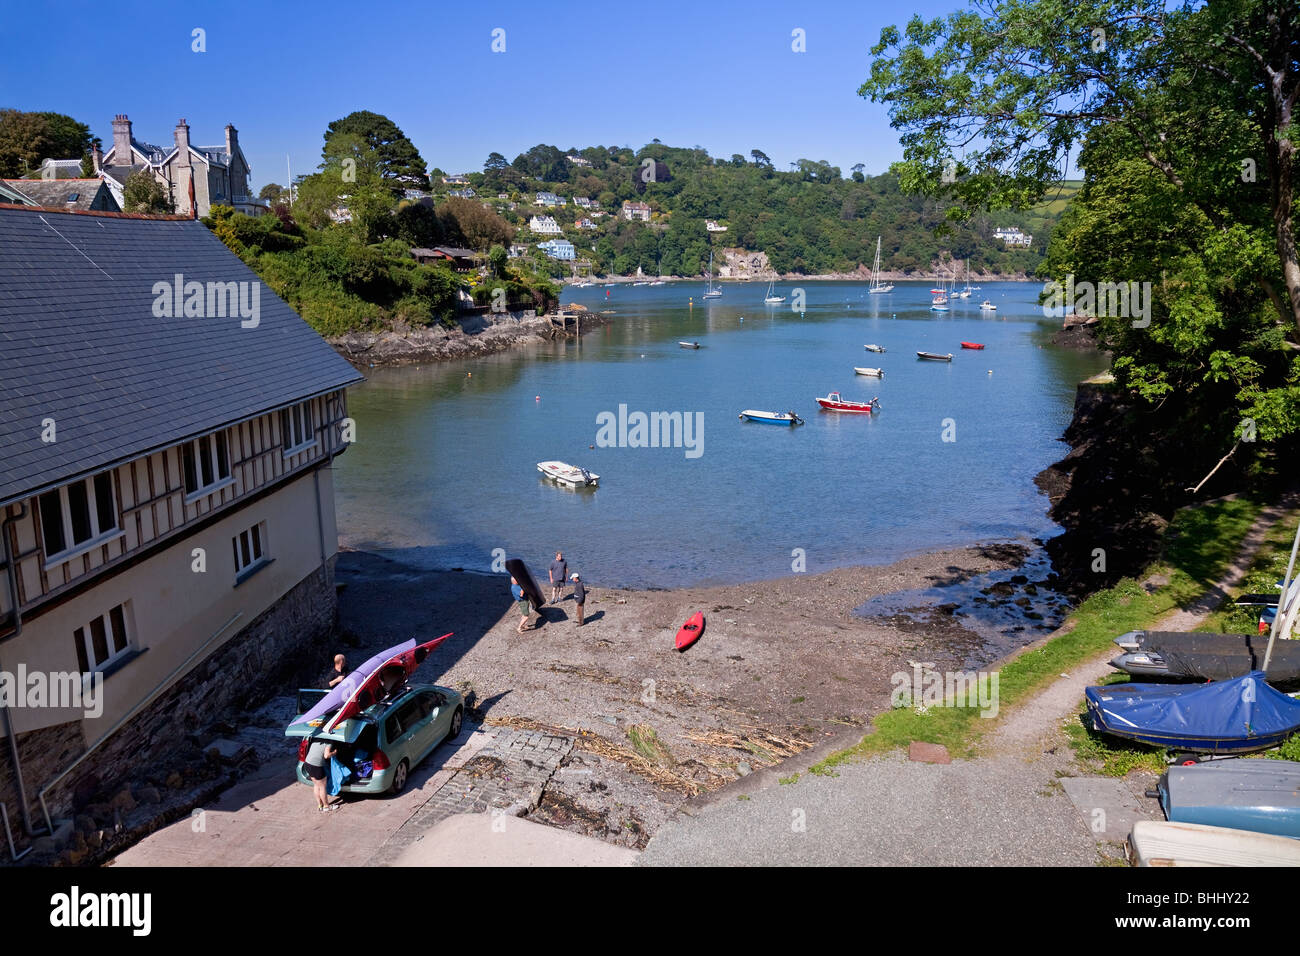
557, 248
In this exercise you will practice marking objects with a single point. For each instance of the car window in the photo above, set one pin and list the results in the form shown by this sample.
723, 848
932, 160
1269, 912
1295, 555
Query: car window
409, 714
432, 701
392, 728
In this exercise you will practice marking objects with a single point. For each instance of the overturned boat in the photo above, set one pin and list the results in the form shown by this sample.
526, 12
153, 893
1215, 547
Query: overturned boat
1224, 717
1258, 795
1159, 843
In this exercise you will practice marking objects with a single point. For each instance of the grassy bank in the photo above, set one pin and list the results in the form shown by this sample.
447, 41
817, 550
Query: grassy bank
1200, 543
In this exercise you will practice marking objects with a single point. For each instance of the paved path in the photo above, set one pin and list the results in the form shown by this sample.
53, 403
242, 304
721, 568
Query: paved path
492, 839
1008, 808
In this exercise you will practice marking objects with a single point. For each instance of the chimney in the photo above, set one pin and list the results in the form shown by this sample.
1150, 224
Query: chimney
121, 140
232, 139
183, 141
97, 157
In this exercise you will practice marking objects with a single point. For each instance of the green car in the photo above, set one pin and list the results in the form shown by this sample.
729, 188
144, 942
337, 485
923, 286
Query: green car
387, 740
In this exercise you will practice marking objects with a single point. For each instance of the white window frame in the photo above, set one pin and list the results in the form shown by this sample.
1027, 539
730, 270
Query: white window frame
219, 481
99, 536
301, 427
258, 550
88, 642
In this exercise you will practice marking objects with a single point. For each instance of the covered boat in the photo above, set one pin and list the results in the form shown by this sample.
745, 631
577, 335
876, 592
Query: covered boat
1198, 656
1225, 717
835, 403
1259, 795
571, 476
770, 418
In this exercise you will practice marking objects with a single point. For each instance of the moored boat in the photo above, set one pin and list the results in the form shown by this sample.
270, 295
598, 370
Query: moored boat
833, 402
571, 476
988, 306
971, 345
873, 372
872, 347
689, 345
771, 418
935, 356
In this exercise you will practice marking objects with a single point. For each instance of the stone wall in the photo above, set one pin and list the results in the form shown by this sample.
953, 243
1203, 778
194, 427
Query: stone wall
285, 645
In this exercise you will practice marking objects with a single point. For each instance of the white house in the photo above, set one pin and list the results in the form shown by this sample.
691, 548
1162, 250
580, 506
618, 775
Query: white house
546, 225
636, 210
1012, 236
557, 248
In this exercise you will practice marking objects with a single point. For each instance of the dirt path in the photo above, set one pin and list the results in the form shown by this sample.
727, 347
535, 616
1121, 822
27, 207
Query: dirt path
1020, 803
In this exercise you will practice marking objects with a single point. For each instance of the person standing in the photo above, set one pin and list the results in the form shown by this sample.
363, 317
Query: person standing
339, 671
580, 596
522, 603
558, 572
316, 766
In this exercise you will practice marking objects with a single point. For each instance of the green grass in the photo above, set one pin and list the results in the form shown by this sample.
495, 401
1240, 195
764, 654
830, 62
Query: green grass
1199, 544
1265, 571
647, 743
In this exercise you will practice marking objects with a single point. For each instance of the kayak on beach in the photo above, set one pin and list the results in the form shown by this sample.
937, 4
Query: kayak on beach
691, 631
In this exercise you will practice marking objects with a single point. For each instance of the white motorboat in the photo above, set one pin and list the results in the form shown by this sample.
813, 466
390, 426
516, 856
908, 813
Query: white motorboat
1158, 843
873, 372
987, 306
874, 348
571, 476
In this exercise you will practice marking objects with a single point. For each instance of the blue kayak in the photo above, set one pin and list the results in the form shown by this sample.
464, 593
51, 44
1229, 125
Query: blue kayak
1235, 716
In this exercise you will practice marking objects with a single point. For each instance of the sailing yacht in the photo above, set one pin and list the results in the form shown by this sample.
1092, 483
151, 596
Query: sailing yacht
877, 284
940, 301
965, 293
710, 292
772, 298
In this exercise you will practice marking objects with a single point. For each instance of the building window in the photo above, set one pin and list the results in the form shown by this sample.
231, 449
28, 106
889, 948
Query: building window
250, 548
102, 641
207, 463
78, 515
296, 428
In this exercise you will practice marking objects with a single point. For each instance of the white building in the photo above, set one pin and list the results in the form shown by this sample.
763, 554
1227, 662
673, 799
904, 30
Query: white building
546, 225
636, 210
1012, 236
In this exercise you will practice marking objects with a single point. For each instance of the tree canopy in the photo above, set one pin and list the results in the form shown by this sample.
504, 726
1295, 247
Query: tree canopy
28, 138
394, 158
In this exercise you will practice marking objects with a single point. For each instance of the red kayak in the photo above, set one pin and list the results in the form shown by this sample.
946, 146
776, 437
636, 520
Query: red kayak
691, 631
971, 345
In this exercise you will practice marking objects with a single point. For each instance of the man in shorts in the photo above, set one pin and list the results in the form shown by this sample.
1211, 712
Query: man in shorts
523, 604
316, 766
558, 572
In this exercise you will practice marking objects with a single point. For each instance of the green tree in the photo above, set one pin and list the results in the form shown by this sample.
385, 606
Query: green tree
395, 158
142, 193
28, 138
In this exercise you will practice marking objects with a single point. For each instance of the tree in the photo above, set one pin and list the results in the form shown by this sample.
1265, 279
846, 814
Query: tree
142, 193
760, 158
465, 220
271, 192
28, 138
397, 161
497, 260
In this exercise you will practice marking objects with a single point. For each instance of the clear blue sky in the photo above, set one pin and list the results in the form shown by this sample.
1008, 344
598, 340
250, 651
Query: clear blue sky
720, 75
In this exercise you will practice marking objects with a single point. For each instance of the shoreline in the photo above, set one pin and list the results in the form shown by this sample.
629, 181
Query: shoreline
783, 667
796, 277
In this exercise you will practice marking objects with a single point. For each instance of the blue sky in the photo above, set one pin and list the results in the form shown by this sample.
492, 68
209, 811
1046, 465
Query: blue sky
721, 75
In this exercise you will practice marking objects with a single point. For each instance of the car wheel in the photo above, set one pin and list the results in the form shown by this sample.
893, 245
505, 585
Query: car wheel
400, 773
454, 731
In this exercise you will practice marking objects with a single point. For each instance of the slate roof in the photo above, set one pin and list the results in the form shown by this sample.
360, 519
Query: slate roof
57, 192
79, 343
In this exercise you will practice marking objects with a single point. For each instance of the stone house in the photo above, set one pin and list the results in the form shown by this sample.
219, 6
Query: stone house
212, 175
167, 529
83, 194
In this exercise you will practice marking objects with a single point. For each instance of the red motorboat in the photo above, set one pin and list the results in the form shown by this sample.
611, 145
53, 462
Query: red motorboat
837, 404
971, 345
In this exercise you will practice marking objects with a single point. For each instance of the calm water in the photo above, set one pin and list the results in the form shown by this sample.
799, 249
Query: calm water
444, 469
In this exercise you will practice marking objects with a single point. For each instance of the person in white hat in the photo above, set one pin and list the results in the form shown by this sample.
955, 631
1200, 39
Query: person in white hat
579, 595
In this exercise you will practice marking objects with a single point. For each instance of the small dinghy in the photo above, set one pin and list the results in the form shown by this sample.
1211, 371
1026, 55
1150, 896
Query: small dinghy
934, 356
570, 476
873, 372
771, 418
689, 345
1157, 843
835, 403
691, 631
874, 348
971, 345
1258, 795
1224, 717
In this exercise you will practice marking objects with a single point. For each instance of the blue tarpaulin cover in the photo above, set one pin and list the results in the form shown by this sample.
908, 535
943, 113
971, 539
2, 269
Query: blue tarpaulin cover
1231, 716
